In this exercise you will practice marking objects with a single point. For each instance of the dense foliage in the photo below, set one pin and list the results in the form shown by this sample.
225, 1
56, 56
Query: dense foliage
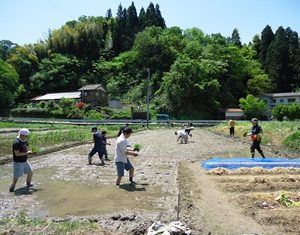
192, 74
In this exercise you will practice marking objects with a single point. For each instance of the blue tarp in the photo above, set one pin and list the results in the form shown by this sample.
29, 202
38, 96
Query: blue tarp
234, 163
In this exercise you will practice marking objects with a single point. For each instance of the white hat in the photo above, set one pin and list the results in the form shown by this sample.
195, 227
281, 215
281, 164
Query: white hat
24, 131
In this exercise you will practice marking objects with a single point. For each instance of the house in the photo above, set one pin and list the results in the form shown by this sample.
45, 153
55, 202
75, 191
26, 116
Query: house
58, 96
93, 94
234, 113
274, 99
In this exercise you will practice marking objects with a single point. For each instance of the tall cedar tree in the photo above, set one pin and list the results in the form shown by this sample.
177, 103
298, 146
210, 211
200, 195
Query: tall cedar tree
267, 37
235, 38
119, 31
132, 25
142, 19
277, 61
153, 16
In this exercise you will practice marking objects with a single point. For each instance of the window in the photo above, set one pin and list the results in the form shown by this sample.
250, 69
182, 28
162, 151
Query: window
85, 93
291, 100
97, 94
281, 100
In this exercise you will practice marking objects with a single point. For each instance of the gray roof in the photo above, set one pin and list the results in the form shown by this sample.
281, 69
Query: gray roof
58, 96
287, 94
92, 87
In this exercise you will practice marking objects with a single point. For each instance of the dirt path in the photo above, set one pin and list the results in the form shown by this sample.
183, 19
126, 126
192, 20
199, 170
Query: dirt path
167, 173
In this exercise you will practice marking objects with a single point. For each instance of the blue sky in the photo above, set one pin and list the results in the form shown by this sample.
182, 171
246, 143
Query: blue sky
27, 21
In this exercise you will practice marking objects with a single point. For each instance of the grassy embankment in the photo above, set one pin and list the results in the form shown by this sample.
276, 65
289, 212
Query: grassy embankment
282, 134
22, 224
57, 135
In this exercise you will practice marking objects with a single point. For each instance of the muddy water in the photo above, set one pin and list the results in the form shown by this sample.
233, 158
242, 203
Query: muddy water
63, 198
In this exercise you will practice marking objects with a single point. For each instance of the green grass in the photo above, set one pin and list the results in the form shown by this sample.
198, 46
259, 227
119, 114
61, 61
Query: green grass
66, 134
22, 224
283, 134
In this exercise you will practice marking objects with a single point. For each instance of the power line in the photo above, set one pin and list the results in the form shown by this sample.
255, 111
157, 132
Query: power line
61, 9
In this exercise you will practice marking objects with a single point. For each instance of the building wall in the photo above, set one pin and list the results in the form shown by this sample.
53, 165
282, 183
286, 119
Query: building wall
272, 102
96, 97
235, 115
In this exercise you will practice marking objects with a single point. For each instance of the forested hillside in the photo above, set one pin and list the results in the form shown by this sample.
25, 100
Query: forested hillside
192, 74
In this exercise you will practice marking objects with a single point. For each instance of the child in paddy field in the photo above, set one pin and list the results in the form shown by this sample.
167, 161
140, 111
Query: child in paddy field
98, 146
121, 156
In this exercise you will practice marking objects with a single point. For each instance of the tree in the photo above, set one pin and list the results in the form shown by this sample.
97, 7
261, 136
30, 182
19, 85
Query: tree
188, 89
57, 74
6, 47
253, 107
153, 16
119, 31
267, 37
235, 38
132, 25
277, 62
25, 61
8, 85
142, 19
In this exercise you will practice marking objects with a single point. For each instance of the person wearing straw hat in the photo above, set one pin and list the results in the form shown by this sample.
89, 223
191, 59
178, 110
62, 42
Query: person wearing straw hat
20, 163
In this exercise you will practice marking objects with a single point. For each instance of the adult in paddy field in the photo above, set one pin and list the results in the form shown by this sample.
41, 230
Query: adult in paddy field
121, 156
231, 124
98, 146
20, 163
256, 136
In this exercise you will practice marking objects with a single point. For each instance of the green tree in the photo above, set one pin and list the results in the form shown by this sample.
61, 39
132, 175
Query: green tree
267, 37
57, 74
253, 107
25, 61
235, 38
6, 47
8, 85
188, 89
277, 62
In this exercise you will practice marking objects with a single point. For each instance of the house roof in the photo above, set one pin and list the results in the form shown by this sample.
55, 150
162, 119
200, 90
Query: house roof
92, 87
58, 96
287, 94
234, 110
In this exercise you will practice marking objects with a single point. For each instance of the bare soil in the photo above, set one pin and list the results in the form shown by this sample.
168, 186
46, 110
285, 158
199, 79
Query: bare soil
171, 185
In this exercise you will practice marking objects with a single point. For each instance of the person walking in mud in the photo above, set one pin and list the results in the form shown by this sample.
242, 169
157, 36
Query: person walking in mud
98, 146
231, 124
104, 153
121, 156
256, 136
20, 163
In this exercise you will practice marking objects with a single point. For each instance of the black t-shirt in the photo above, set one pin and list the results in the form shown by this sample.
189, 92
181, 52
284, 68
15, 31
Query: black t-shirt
256, 130
98, 140
21, 147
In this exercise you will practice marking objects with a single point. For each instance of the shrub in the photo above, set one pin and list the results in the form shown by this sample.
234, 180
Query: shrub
94, 115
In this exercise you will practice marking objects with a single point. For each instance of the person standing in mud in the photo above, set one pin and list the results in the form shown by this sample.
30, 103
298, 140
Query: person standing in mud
104, 153
256, 136
121, 156
98, 146
20, 163
231, 124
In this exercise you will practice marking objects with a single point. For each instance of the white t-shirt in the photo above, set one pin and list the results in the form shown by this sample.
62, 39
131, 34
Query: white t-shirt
121, 148
181, 133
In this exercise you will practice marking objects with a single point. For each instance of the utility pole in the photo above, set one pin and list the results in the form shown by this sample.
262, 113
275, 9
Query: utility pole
148, 95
